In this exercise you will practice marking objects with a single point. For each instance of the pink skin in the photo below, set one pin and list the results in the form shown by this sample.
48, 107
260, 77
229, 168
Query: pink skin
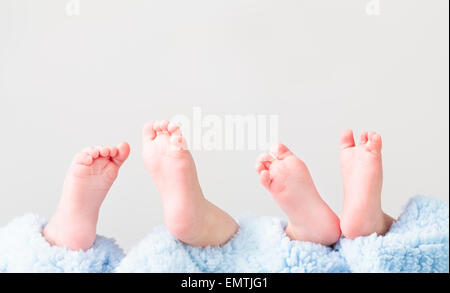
188, 215
87, 182
288, 180
362, 174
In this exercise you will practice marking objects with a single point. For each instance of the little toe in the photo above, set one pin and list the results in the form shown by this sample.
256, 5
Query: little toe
265, 178
260, 167
148, 132
347, 140
93, 152
266, 159
84, 159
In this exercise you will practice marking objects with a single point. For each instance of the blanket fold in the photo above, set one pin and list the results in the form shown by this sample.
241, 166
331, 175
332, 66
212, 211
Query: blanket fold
24, 249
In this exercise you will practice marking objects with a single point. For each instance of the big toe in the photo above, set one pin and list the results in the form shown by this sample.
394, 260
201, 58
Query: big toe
347, 140
280, 151
123, 151
148, 132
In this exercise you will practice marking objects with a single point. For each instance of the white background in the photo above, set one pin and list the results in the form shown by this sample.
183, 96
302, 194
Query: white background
68, 82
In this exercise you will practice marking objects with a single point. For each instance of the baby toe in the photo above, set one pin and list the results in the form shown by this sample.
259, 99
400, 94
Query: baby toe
265, 178
92, 151
260, 167
84, 158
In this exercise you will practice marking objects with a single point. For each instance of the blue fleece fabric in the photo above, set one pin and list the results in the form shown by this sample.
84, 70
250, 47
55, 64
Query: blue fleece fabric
23, 249
260, 246
417, 242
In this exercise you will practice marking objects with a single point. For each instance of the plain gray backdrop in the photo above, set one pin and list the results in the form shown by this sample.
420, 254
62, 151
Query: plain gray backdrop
70, 81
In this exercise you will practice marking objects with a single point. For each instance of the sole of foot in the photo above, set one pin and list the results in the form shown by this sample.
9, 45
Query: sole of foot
188, 215
90, 176
362, 175
288, 180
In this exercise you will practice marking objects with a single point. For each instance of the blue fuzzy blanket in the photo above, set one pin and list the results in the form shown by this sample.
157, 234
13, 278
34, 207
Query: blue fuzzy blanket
417, 242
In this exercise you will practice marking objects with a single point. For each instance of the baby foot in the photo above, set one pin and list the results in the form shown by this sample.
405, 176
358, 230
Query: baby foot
89, 179
188, 215
288, 180
362, 174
